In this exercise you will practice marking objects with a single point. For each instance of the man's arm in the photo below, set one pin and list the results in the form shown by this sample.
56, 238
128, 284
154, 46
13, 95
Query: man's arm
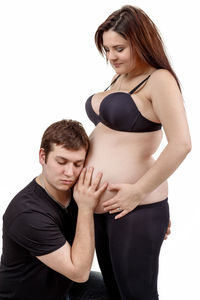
75, 262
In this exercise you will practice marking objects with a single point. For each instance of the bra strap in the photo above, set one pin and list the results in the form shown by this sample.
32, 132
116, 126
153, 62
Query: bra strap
113, 82
135, 88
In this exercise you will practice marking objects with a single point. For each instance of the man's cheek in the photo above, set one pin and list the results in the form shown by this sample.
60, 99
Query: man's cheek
78, 172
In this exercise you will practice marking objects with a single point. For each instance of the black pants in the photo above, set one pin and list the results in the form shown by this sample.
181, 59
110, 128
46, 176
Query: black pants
93, 289
128, 250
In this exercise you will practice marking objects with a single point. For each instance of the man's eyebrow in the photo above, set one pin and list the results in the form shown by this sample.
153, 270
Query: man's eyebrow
66, 159
61, 157
80, 160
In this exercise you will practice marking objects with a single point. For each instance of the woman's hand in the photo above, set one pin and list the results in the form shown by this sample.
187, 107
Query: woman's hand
168, 230
126, 199
87, 191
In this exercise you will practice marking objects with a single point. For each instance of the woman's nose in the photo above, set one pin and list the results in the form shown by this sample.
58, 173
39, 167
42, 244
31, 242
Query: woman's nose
111, 55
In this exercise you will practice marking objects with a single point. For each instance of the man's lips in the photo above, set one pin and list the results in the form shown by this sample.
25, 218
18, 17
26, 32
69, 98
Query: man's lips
67, 181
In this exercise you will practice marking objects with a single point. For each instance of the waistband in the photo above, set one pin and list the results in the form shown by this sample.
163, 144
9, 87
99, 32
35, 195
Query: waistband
149, 205
162, 202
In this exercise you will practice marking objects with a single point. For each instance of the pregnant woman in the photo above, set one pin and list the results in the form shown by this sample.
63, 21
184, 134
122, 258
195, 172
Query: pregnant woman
144, 97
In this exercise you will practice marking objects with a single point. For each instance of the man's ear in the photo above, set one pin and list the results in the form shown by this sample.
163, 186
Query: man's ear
42, 156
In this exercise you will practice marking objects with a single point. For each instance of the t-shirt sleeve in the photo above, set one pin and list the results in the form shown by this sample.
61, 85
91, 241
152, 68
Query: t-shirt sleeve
36, 232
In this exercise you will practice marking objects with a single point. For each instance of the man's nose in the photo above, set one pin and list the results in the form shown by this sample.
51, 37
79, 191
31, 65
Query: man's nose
69, 169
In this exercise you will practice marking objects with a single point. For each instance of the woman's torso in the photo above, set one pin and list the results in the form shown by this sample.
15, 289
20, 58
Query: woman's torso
124, 156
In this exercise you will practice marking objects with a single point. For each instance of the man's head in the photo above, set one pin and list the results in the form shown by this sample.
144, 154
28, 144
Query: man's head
62, 154
67, 133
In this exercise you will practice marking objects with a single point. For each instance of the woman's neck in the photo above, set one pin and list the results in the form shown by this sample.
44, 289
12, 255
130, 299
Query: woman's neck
141, 69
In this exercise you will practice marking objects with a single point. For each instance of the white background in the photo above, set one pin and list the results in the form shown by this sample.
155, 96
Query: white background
49, 66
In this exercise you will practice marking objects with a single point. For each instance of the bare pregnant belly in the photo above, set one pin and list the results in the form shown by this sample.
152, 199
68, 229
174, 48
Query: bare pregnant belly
118, 168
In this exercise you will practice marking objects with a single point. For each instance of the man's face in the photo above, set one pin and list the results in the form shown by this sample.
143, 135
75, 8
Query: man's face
62, 167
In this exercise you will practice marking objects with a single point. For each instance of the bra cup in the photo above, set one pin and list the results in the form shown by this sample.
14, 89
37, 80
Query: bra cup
90, 112
145, 125
118, 111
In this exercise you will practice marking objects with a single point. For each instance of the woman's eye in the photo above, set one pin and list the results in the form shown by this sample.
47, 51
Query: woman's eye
120, 49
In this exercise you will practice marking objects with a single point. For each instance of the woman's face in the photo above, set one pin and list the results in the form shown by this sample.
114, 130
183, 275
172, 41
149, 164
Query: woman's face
118, 52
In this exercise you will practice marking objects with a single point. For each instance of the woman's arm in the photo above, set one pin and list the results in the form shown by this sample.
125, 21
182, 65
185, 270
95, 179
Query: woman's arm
168, 105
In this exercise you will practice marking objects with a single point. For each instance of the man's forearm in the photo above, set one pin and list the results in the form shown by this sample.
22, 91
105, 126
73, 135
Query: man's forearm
82, 250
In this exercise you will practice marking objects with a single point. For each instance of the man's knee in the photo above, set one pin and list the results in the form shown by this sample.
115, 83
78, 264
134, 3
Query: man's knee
93, 289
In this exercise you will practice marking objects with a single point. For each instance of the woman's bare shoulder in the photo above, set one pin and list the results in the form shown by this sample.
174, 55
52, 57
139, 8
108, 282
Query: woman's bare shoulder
162, 76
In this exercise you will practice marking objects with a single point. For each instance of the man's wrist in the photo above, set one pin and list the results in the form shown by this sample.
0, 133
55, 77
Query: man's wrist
86, 211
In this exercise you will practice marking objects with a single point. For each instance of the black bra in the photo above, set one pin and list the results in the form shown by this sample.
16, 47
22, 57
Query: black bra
118, 111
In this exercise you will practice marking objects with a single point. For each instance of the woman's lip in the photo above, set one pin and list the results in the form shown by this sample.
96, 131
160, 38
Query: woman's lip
116, 65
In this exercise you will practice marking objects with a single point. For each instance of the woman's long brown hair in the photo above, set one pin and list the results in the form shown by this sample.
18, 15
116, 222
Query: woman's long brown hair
136, 27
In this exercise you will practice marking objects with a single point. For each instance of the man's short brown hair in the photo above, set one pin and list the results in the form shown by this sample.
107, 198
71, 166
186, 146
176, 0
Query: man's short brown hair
68, 133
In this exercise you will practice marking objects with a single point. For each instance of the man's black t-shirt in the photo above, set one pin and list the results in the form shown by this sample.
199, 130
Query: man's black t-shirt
34, 225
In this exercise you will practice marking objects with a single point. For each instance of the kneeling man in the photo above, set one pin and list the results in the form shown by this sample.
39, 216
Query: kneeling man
48, 229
